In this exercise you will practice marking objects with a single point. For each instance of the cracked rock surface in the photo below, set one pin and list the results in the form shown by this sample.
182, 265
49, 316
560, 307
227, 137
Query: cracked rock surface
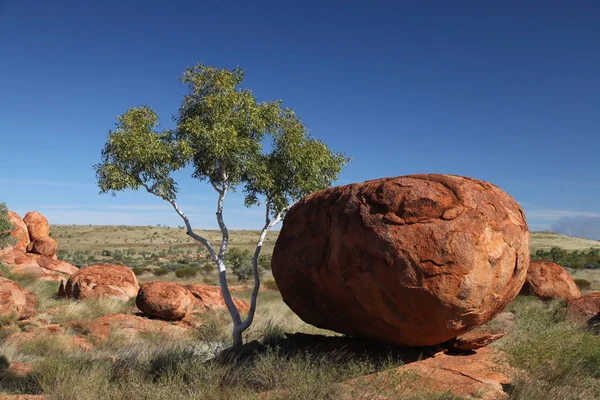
414, 260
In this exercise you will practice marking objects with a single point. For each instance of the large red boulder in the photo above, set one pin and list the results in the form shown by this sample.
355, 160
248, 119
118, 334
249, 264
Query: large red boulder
102, 280
549, 281
44, 246
414, 260
164, 300
37, 225
15, 300
211, 298
583, 308
19, 233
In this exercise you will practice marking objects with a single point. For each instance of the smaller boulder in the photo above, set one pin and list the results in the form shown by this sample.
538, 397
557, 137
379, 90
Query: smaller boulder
474, 340
16, 300
165, 300
549, 281
44, 247
102, 280
210, 298
37, 225
19, 231
583, 308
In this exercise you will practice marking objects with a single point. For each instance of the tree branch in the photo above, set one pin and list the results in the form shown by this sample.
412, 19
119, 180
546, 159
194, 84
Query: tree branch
188, 226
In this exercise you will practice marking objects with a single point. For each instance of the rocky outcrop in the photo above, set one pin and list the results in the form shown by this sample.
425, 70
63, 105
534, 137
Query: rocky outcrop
14, 300
37, 225
102, 280
414, 260
549, 281
481, 375
35, 264
583, 308
19, 233
36, 256
211, 298
164, 300
44, 247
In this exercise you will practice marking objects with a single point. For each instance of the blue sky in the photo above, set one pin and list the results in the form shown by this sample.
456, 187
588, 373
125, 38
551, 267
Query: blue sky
505, 91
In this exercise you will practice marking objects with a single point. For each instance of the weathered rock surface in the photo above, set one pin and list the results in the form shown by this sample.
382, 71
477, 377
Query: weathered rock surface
37, 225
210, 298
16, 300
583, 308
476, 376
44, 246
164, 300
475, 340
414, 260
19, 232
102, 280
549, 281
35, 264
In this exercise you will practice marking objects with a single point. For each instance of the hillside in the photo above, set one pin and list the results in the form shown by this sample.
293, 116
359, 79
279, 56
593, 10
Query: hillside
547, 240
153, 238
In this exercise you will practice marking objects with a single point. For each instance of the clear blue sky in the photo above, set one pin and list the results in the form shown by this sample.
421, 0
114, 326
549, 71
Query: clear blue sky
504, 91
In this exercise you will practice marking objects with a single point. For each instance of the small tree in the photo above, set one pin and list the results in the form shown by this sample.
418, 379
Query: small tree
220, 133
6, 228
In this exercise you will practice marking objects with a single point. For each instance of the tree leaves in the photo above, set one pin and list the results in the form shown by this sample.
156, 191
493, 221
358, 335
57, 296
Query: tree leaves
220, 131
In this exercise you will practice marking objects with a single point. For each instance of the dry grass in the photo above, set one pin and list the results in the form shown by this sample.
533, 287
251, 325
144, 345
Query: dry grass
547, 240
149, 238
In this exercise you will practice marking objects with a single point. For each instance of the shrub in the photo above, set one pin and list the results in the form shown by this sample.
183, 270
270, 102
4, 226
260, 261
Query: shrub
161, 271
270, 284
240, 262
186, 272
5, 227
139, 270
582, 284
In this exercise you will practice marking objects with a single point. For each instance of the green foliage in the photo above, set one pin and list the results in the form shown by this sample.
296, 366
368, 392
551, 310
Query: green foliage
583, 284
186, 272
220, 131
139, 270
162, 271
240, 262
137, 154
6, 228
576, 259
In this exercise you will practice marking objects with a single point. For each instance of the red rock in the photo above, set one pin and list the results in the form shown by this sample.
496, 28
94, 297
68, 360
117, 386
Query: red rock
583, 308
57, 265
211, 298
16, 300
475, 340
414, 260
125, 324
164, 300
44, 246
102, 280
549, 281
480, 375
35, 264
19, 232
37, 225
